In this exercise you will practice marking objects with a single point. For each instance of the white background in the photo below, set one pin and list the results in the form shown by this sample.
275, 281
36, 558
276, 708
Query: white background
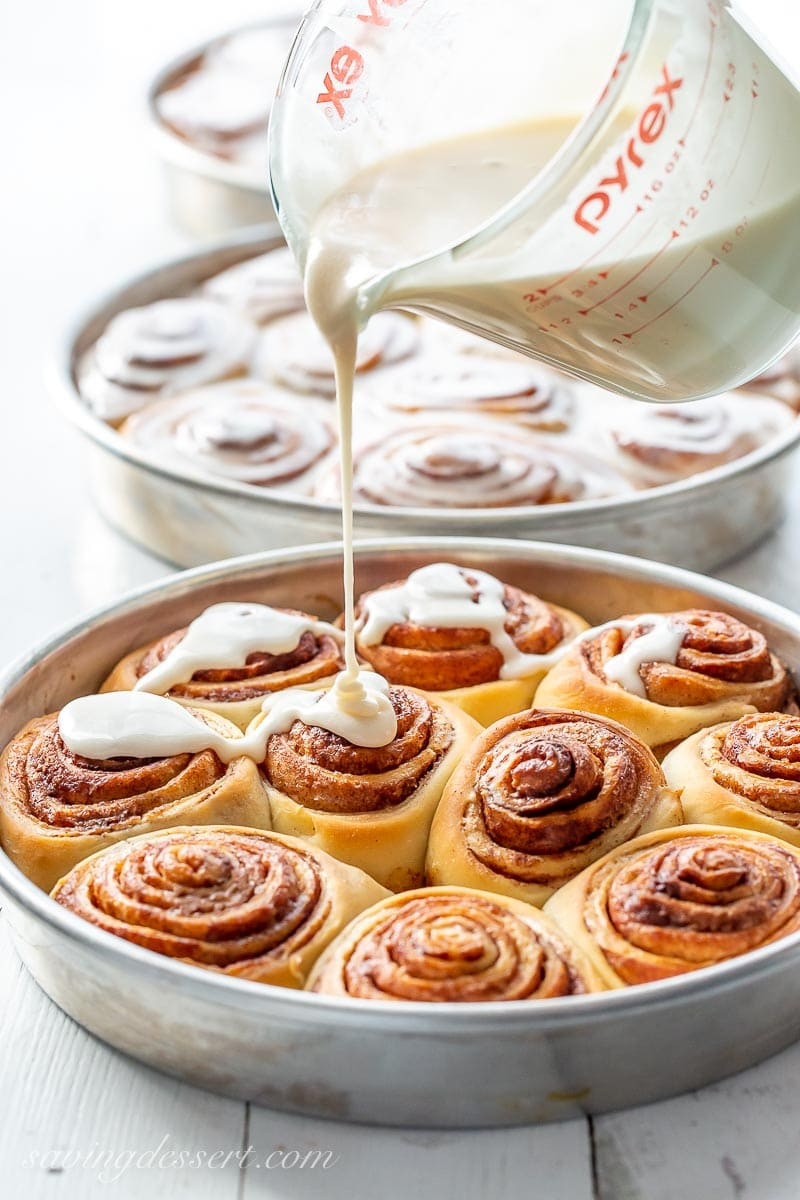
82, 208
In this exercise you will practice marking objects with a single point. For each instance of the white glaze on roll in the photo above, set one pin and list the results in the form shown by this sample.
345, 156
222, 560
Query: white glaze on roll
138, 725
143, 725
242, 430
445, 596
660, 644
356, 707
224, 635
160, 349
263, 288
293, 352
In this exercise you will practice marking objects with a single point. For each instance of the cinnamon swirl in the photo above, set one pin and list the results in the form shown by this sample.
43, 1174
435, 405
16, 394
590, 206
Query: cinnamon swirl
658, 443
163, 348
493, 627
667, 675
680, 899
473, 464
262, 288
308, 656
249, 904
293, 351
453, 945
745, 774
513, 388
538, 797
370, 807
57, 808
241, 431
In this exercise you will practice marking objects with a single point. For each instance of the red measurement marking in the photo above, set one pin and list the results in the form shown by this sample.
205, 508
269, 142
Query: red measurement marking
585, 311
669, 273
713, 28
715, 134
714, 263
582, 266
743, 139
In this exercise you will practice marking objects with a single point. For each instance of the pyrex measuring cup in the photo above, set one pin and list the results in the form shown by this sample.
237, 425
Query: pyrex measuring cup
656, 251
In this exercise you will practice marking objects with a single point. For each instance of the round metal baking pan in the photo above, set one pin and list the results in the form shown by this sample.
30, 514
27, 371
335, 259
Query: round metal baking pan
697, 522
396, 1063
206, 194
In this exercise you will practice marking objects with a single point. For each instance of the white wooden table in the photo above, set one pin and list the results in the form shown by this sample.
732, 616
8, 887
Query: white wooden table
84, 208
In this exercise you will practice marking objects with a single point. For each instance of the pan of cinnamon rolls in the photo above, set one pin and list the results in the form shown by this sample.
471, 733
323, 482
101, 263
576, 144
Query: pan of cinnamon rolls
567, 879
206, 395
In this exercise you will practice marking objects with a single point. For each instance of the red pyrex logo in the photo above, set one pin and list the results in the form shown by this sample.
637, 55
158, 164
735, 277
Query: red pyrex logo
651, 125
347, 64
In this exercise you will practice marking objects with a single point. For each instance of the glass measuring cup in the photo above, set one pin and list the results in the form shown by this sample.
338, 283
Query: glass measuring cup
654, 245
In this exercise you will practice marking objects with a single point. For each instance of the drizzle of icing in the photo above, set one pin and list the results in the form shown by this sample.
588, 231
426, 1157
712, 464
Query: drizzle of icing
224, 635
661, 643
143, 725
445, 596
357, 706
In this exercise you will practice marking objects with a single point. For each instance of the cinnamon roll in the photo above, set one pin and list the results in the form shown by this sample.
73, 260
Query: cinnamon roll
538, 797
370, 807
262, 288
163, 348
745, 773
454, 945
487, 655
57, 808
473, 464
242, 431
659, 443
666, 675
516, 389
294, 352
680, 899
249, 904
236, 689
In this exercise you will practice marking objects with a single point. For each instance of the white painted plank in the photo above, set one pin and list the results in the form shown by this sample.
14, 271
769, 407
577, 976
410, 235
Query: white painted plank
64, 1091
551, 1161
736, 1140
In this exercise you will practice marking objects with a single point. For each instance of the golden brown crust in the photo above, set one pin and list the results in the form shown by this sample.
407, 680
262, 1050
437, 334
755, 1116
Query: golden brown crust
539, 796
233, 900
321, 770
745, 774
62, 790
452, 944
57, 808
716, 647
724, 669
681, 899
759, 758
369, 807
